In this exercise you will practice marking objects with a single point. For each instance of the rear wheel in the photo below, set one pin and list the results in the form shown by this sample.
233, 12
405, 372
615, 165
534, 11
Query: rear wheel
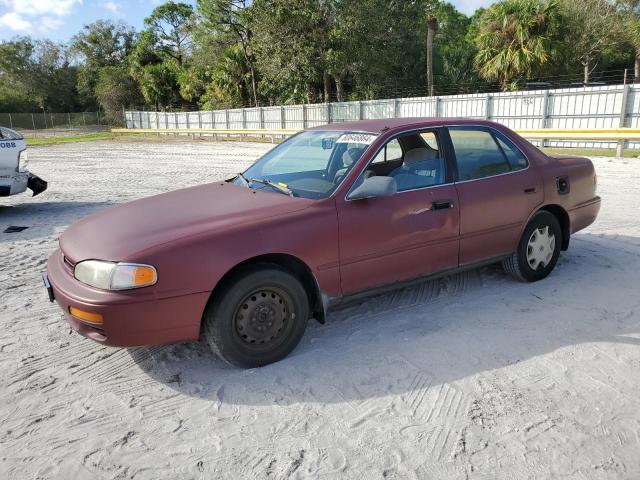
538, 250
257, 318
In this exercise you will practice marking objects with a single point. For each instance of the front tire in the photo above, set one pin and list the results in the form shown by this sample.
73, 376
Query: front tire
258, 317
538, 249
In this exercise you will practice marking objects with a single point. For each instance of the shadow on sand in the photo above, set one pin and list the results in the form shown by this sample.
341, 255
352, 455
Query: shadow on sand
42, 218
437, 332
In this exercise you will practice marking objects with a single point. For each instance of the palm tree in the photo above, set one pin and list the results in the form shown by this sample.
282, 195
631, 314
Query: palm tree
631, 10
432, 28
515, 39
230, 85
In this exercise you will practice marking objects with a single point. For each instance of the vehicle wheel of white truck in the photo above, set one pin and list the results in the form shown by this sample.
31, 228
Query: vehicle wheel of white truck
257, 318
538, 249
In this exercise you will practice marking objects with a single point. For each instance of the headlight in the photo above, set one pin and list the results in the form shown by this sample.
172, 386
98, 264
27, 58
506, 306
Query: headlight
23, 161
115, 276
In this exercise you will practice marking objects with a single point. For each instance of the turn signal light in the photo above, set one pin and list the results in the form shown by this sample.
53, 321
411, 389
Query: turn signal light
144, 276
92, 318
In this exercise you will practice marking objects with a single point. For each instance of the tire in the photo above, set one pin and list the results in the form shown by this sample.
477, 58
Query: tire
257, 318
536, 257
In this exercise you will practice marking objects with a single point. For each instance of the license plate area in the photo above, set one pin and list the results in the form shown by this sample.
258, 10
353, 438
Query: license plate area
47, 285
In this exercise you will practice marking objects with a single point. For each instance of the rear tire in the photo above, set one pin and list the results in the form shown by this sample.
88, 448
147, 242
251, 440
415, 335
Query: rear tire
538, 249
258, 317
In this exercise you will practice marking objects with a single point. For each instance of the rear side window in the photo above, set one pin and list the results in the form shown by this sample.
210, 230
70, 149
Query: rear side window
477, 153
516, 158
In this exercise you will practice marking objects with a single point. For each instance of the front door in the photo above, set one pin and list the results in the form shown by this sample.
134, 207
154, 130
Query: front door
406, 235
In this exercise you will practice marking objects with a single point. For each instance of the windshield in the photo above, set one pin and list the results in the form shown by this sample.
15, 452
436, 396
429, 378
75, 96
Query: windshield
310, 165
7, 134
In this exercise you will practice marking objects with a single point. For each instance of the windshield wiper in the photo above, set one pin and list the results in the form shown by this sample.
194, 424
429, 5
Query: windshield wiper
273, 185
244, 180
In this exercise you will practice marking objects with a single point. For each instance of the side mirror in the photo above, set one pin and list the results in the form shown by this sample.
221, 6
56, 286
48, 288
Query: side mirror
375, 187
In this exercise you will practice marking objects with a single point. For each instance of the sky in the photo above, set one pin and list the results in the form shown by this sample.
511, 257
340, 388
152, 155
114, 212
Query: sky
61, 19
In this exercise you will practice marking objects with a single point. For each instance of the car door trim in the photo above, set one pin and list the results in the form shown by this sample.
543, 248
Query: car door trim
448, 154
392, 286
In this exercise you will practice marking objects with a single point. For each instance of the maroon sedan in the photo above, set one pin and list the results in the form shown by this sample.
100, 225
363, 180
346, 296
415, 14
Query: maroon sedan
332, 212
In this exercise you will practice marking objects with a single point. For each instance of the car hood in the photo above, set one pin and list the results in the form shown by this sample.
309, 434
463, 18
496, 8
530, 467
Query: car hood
121, 232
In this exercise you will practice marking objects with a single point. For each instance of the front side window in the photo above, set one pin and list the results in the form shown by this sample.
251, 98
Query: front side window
418, 163
477, 153
392, 151
311, 164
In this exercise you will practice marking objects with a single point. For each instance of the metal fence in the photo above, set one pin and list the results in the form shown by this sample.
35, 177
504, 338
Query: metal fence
47, 120
612, 106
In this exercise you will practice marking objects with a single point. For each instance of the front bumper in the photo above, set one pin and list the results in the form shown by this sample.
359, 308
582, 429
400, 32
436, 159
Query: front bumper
19, 182
13, 184
130, 318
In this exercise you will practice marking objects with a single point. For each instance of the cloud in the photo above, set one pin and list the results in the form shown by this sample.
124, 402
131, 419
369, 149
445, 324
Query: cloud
31, 16
36, 8
13, 21
112, 7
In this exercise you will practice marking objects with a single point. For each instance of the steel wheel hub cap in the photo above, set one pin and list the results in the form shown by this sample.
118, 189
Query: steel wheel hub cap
262, 316
540, 248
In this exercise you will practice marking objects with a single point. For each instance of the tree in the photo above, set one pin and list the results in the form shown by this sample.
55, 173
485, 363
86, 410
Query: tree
516, 38
230, 82
630, 10
41, 71
160, 58
159, 84
226, 22
100, 44
116, 88
172, 25
104, 43
290, 43
381, 46
453, 59
593, 26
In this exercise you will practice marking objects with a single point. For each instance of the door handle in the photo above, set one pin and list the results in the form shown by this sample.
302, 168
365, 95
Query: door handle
441, 204
530, 190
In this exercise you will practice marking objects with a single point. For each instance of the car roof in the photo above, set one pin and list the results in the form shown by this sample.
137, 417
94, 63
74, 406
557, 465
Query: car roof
384, 124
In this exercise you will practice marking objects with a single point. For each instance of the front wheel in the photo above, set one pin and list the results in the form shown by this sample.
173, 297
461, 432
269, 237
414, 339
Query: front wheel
538, 250
257, 318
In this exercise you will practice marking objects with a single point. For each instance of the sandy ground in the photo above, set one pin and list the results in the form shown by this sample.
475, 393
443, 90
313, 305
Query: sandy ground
472, 376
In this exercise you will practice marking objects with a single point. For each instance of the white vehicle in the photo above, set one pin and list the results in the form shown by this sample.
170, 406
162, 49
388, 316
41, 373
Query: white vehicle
14, 176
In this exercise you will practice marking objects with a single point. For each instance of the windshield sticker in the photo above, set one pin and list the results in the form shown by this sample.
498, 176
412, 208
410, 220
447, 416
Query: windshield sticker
362, 138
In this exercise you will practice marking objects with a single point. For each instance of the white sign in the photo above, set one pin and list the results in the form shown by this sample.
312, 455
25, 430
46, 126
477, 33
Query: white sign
362, 138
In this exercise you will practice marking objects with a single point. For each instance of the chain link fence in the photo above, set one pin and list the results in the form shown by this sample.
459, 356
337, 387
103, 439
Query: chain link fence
52, 123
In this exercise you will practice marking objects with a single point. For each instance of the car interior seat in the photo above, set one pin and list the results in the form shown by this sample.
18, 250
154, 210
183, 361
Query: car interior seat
421, 167
349, 157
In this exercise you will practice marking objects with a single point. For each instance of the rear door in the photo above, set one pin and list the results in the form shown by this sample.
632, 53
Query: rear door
497, 190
